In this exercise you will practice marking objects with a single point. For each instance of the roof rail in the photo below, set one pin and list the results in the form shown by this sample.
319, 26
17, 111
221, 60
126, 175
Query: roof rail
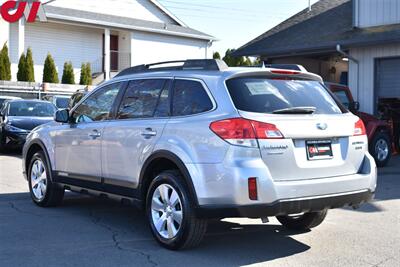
190, 64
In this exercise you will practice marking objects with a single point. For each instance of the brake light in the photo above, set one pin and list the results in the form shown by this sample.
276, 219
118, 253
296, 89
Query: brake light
285, 72
359, 128
243, 132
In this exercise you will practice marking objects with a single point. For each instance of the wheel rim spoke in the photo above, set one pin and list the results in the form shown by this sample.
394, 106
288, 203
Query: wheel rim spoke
171, 228
156, 205
178, 216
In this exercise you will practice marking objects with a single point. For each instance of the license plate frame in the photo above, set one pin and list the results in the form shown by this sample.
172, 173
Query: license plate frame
319, 149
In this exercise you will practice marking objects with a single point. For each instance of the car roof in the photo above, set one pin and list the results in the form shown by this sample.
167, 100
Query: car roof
28, 100
225, 74
9, 97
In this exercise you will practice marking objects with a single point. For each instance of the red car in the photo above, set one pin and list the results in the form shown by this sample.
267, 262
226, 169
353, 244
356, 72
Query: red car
380, 133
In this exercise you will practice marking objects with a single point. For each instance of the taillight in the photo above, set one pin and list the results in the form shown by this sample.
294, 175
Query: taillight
359, 128
243, 132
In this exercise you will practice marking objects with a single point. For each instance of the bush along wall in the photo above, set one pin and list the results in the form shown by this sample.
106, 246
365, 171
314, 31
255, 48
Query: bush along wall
5, 64
50, 74
68, 74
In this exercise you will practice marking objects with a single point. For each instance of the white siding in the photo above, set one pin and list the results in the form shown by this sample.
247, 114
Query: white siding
362, 77
139, 9
150, 48
377, 12
64, 43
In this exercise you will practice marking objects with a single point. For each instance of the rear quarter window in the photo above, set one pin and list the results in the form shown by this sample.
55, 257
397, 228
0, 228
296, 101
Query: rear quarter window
189, 98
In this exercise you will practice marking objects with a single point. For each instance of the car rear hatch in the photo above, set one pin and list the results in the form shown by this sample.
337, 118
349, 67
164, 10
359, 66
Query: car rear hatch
301, 130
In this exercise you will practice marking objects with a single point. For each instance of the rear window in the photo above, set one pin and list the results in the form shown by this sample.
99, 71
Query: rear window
263, 95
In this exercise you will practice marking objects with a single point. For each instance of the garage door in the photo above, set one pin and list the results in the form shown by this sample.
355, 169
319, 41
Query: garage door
388, 78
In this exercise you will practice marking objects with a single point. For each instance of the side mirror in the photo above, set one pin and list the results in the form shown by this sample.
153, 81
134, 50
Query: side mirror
62, 116
355, 106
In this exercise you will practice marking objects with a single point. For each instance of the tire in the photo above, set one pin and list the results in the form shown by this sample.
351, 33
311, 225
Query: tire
190, 232
381, 148
303, 222
44, 192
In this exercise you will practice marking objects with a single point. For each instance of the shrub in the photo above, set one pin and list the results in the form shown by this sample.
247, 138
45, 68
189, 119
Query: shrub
68, 74
30, 72
86, 74
50, 74
5, 64
21, 74
216, 55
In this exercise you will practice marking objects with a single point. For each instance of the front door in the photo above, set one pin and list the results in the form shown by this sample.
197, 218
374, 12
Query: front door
129, 140
78, 144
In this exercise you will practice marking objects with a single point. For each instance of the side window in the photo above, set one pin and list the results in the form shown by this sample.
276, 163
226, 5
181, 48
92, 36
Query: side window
190, 98
97, 107
141, 98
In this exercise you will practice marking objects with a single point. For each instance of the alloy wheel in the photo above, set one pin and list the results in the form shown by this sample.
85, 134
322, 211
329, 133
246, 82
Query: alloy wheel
38, 180
381, 149
166, 211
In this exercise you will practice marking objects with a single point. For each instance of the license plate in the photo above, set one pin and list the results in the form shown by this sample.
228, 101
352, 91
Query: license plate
319, 149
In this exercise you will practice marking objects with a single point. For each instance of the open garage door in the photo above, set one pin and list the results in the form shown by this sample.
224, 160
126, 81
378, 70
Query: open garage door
387, 92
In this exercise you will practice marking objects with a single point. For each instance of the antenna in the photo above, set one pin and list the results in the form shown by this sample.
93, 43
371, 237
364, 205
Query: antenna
309, 6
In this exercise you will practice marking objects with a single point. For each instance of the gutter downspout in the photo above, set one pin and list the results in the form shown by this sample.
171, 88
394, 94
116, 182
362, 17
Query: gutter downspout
339, 49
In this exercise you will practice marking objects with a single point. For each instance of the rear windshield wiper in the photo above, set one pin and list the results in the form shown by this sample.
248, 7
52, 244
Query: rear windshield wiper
295, 110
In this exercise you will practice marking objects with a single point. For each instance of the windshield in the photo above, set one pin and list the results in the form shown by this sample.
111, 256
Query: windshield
257, 94
62, 102
31, 109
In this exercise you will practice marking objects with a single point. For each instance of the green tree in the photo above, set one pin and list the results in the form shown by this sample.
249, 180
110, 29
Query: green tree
86, 74
5, 64
216, 55
21, 74
68, 74
29, 65
82, 80
89, 74
236, 61
50, 74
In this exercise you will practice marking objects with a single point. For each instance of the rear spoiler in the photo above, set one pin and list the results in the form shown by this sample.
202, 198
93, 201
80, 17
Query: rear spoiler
277, 73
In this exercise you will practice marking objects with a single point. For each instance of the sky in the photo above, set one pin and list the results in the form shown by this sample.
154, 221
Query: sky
233, 22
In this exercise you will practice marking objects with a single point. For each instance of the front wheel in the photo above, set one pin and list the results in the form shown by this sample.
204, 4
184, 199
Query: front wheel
43, 191
303, 221
381, 149
171, 214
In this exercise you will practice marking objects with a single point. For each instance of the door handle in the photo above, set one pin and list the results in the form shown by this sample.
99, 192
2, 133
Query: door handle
95, 134
148, 132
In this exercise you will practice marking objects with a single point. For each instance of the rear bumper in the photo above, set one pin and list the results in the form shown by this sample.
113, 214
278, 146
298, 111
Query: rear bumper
287, 206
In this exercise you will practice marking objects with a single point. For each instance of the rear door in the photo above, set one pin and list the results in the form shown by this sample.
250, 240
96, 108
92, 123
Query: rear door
317, 135
129, 139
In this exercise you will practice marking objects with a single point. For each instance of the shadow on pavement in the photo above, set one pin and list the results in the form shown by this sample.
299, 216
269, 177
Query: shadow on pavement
90, 227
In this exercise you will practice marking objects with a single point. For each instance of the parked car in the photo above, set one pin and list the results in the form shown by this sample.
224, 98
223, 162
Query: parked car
379, 132
200, 141
76, 97
5, 98
19, 117
60, 101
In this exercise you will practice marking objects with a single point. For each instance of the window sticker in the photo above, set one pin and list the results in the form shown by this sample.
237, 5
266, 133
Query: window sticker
260, 88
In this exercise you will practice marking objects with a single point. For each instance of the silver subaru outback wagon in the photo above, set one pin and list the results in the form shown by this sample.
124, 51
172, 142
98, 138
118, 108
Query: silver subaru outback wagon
195, 140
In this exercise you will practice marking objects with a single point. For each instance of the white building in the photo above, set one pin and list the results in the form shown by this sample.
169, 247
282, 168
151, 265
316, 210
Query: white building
367, 31
109, 34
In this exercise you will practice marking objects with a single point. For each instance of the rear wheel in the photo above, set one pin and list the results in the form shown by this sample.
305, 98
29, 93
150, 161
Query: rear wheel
303, 221
381, 149
43, 191
171, 214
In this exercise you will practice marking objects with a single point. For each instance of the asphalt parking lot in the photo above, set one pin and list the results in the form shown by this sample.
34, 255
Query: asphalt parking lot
87, 231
